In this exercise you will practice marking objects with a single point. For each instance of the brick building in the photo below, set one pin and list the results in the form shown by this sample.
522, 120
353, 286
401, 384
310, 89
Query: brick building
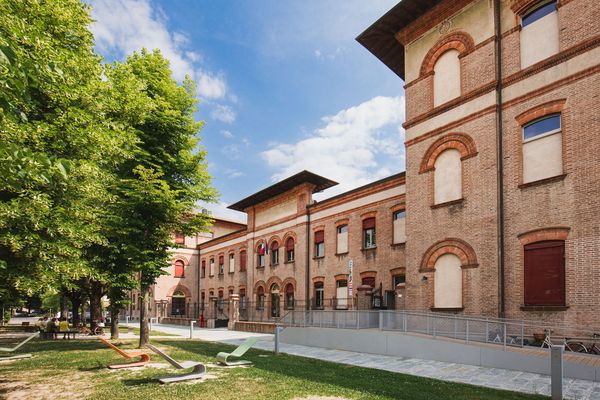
502, 150
175, 294
295, 250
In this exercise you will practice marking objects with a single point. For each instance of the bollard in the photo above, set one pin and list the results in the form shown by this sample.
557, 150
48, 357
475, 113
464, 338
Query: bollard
556, 371
192, 329
277, 331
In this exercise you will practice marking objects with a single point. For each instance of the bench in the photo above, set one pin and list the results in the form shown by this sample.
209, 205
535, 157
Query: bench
198, 369
129, 354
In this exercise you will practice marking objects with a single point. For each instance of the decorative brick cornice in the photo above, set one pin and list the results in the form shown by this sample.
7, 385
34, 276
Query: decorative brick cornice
368, 274
180, 257
179, 287
398, 207
290, 234
460, 41
274, 238
458, 141
368, 214
544, 234
341, 277
287, 281
318, 279
455, 246
343, 221
398, 271
274, 281
541, 110
258, 284
317, 228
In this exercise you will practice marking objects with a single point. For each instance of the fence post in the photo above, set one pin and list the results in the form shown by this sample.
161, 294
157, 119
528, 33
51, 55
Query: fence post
380, 320
467, 329
277, 331
404, 321
504, 325
455, 326
522, 333
192, 329
487, 330
556, 371
357, 319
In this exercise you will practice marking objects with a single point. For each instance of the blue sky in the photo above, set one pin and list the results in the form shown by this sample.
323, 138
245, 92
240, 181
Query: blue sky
283, 85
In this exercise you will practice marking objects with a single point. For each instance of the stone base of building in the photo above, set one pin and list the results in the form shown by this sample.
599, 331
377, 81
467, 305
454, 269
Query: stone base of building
176, 321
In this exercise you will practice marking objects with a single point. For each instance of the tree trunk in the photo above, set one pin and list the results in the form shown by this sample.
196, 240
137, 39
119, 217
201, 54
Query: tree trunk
76, 302
114, 321
95, 304
64, 305
144, 328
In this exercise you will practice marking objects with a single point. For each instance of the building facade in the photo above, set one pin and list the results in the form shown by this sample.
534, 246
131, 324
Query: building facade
176, 293
297, 253
502, 144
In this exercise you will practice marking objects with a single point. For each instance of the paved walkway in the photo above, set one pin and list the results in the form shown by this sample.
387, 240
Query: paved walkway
481, 376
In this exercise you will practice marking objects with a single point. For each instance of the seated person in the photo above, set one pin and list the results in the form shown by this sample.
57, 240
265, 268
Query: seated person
63, 326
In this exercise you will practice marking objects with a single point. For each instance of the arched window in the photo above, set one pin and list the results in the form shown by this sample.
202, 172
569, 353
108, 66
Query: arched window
178, 303
275, 301
448, 282
203, 268
289, 249
212, 267
289, 296
447, 177
446, 78
261, 252
274, 253
539, 32
542, 148
179, 269
260, 298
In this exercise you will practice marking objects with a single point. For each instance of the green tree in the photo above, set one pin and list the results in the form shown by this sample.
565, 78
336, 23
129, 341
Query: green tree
57, 148
161, 184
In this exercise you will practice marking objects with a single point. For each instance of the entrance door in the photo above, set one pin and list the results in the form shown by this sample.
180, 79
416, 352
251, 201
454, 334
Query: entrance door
390, 299
399, 284
275, 301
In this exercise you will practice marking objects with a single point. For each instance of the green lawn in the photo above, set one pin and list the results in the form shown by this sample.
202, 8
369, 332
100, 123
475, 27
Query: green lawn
77, 369
123, 329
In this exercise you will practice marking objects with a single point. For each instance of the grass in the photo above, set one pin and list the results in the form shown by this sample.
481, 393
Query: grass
136, 331
77, 369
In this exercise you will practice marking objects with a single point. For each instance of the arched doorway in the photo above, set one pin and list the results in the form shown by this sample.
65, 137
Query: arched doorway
289, 296
178, 303
274, 300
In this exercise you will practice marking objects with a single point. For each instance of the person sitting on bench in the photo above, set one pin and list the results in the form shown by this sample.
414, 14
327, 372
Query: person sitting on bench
63, 326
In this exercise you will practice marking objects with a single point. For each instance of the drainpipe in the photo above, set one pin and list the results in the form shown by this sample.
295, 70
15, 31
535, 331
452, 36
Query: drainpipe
198, 272
499, 159
307, 280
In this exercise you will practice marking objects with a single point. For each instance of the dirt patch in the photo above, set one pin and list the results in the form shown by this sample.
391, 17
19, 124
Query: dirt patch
59, 387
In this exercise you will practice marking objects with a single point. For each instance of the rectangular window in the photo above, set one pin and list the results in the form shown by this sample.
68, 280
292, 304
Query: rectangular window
341, 294
243, 261
221, 265
289, 250
261, 261
320, 244
212, 267
539, 33
342, 239
544, 274
203, 268
319, 295
369, 233
398, 280
231, 263
542, 149
274, 256
399, 221
179, 238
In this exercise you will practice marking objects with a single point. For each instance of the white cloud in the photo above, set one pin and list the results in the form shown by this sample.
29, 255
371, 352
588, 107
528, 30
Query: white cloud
223, 113
233, 173
353, 147
227, 134
125, 26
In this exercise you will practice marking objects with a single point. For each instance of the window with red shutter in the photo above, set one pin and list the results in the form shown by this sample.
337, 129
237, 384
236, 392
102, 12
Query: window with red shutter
320, 244
179, 269
289, 249
544, 273
203, 268
179, 238
369, 281
243, 261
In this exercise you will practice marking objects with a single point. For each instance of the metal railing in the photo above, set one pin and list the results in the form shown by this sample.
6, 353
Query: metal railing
503, 332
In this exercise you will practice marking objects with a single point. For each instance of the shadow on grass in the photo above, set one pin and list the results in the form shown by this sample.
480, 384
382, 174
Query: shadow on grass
366, 380
139, 381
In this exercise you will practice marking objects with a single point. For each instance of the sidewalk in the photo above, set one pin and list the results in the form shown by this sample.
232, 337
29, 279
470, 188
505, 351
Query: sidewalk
489, 377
